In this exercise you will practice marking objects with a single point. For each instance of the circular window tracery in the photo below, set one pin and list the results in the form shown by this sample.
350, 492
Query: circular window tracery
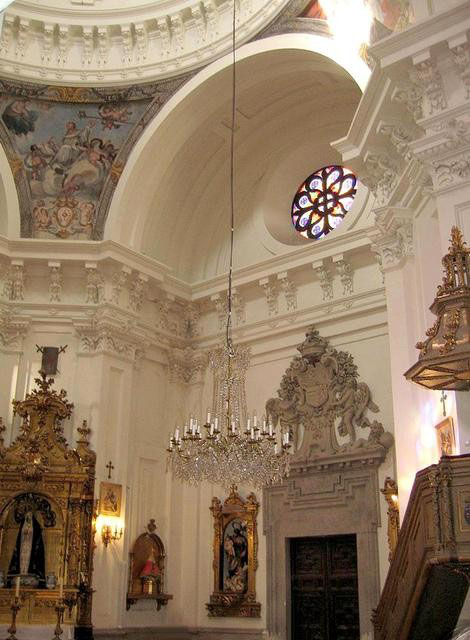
323, 200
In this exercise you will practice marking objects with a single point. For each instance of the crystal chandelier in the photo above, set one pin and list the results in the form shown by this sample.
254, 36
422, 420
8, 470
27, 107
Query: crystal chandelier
229, 448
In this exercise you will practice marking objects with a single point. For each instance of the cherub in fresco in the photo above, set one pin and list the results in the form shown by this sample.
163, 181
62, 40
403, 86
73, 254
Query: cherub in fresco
114, 115
39, 157
19, 118
86, 216
41, 218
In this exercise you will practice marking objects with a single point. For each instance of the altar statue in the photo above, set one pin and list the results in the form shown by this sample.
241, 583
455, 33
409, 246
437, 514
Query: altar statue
28, 556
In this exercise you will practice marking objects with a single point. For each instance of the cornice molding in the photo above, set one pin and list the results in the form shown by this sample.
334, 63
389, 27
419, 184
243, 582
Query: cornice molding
131, 45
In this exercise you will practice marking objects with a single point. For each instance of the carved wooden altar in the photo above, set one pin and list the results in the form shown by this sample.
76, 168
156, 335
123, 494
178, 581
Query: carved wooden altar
42, 476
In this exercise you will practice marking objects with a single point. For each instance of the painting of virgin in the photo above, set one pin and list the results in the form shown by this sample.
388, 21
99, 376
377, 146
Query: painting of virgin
235, 563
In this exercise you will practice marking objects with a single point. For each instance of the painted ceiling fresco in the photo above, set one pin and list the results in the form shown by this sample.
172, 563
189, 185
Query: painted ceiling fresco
67, 148
388, 12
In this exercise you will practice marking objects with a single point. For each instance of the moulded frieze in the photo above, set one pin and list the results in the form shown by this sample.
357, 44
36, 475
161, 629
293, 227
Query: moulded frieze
13, 328
173, 37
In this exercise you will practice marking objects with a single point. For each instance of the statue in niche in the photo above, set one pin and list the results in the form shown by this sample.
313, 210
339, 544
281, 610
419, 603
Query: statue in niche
322, 403
28, 556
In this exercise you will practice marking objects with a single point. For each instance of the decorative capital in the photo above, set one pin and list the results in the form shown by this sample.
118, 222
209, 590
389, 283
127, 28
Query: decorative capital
393, 235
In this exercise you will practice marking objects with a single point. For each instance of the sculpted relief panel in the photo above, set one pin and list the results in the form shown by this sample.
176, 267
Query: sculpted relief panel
324, 405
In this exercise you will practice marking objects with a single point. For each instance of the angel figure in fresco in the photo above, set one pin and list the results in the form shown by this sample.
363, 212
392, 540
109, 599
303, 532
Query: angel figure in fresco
114, 115
39, 158
91, 168
19, 118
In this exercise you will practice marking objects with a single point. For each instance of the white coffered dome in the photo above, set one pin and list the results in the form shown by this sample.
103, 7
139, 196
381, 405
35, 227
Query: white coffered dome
116, 41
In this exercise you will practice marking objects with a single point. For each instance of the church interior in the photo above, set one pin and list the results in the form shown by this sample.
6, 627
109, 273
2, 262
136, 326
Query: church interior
234, 319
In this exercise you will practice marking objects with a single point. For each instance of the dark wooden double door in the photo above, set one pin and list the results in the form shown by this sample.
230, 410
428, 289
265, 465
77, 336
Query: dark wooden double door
324, 591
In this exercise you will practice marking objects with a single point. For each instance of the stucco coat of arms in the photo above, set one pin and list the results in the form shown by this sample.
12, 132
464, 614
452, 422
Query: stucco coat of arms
323, 404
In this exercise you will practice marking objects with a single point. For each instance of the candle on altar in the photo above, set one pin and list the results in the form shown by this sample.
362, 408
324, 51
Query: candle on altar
61, 587
17, 591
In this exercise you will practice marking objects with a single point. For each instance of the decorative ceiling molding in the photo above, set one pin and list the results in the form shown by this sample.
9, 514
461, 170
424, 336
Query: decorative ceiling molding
141, 42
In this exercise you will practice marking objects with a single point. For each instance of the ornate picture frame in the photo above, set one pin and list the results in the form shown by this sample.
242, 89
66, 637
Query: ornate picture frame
235, 557
110, 499
445, 435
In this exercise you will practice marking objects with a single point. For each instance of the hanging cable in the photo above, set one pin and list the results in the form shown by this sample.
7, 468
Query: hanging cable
230, 348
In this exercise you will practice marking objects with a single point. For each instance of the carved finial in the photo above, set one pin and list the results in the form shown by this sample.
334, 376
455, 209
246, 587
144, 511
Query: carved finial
84, 432
457, 241
151, 527
233, 490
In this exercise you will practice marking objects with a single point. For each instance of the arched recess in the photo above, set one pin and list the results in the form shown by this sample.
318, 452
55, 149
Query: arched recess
175, 183
9, 204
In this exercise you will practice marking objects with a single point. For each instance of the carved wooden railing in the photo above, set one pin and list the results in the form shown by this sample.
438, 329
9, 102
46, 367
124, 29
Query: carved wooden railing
428, 578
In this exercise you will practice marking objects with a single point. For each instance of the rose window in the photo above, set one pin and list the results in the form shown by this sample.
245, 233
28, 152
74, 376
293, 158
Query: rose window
323, 200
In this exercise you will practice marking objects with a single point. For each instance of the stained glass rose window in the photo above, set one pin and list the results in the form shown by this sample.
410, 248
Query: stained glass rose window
323, 200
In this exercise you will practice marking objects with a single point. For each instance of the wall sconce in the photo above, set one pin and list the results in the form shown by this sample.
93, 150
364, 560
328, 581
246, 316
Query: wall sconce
110, 534
111, 528
390, 492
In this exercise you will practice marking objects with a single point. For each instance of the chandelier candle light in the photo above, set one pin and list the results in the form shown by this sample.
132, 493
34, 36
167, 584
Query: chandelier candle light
221, 450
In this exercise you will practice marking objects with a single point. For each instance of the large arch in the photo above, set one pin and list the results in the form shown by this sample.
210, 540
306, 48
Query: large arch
175, 180
9, 204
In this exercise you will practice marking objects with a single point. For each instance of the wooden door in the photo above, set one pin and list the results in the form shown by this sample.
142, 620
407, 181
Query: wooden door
324, 591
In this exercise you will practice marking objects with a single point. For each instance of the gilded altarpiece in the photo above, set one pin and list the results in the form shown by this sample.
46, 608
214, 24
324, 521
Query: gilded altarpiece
235, 557
46, 483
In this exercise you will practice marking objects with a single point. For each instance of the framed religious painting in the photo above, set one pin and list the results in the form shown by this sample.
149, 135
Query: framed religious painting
110, 499
235, 557
446, 437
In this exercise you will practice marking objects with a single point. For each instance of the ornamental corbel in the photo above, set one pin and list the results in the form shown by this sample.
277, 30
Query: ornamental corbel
393, 235
460, 49
119, 281
345, 271
177, 30
221, 306
103, 45
7, 34
55, 281
383, 171
271, 293
47, 43
14, 281
399, 135
426, 75
63, 44
141, 38
165, 35
289, 289
22, 37
325, 277
199, 16
95, 290
239, 306
87, 46
137, 292
127, 43
13, 329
